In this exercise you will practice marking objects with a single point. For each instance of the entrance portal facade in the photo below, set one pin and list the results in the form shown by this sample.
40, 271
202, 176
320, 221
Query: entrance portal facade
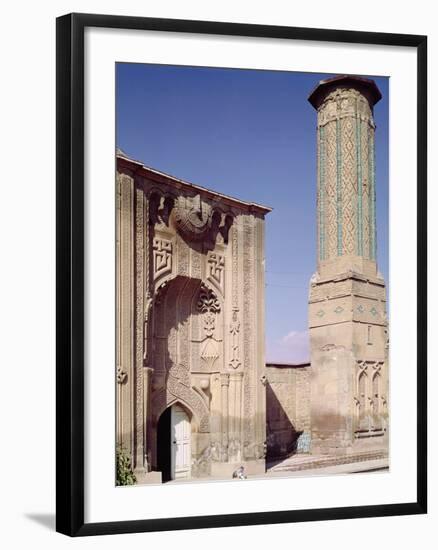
190, 327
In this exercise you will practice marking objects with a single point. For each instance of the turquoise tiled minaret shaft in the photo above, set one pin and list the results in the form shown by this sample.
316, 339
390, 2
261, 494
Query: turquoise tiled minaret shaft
346, 178
347, 298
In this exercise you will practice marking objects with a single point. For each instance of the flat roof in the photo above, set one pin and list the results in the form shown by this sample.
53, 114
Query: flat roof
161, 177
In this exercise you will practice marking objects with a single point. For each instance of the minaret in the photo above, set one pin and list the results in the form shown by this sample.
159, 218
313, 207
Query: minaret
347, 299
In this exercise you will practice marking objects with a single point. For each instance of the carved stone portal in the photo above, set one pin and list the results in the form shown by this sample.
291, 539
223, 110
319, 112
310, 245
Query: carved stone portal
189, 319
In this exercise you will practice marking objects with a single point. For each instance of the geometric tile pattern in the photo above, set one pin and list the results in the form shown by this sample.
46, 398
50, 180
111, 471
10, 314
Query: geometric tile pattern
321, 191
330, 202
359, 227
349, 186
372, 195
365, 191
346, 186
339, 186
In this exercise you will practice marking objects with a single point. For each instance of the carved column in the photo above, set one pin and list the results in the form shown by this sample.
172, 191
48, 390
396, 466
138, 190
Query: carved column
260, 360
140, 442
148, 266
235, 347
119, 370
249, 361
225, 382
235, 416
125, 298
147, 379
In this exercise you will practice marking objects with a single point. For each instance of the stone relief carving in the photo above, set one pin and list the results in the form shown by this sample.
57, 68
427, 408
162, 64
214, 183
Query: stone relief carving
121, 375
248, 304
209, 306
193, 216
162, 256
196, 264
183, 267
216, 268
234, 331
186, 319
235, 361
176, 311
178, 391
160, 208
147, 276
139, 324
369, 399
210, 353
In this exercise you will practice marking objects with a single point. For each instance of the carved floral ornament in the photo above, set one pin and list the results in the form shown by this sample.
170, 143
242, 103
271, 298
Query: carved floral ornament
209, 306
207, 301
234, 331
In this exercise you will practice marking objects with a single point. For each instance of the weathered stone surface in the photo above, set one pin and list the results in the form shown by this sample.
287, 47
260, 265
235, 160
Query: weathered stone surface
190, 325
287, 409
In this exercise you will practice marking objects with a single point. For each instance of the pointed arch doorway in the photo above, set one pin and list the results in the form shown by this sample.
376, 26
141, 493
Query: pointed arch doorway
174, 443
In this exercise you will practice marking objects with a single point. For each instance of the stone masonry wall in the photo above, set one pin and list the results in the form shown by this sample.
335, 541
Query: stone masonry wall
287, 409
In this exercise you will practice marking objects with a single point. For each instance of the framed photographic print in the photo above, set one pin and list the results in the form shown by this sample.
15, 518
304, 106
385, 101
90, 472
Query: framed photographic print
241, 274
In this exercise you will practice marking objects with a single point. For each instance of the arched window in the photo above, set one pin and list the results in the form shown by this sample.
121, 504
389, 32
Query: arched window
375, 399
362, 390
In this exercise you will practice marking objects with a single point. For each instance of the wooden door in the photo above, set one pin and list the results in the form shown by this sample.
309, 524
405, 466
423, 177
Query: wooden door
180, 433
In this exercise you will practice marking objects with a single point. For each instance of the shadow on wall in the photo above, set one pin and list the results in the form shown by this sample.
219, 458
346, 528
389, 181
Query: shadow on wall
281, 435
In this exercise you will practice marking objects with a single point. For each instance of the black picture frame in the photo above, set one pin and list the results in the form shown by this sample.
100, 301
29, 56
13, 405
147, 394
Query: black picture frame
70, 273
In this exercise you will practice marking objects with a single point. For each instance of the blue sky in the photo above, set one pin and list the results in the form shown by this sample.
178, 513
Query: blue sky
250, 134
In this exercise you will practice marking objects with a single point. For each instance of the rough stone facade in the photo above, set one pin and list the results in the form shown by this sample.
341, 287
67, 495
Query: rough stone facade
347, 299
287, 409
190, 326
